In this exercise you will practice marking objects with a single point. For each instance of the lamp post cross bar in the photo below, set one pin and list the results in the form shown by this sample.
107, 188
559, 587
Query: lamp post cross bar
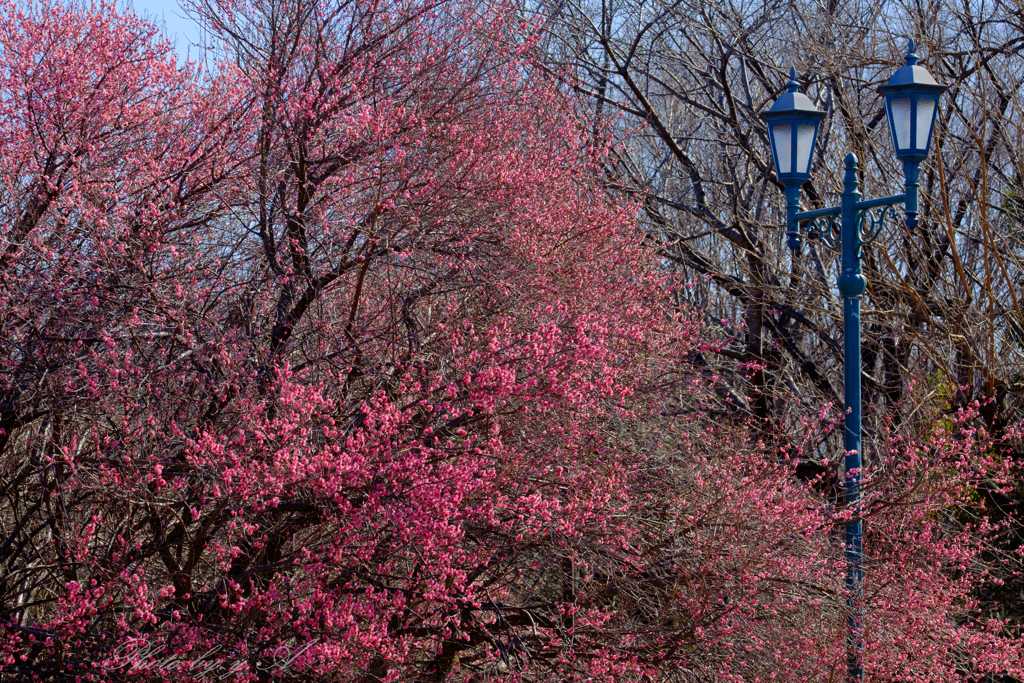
805, 216
817, 213
884, 201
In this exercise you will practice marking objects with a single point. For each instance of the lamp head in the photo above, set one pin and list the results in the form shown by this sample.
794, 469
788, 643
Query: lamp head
911, 102
793, 131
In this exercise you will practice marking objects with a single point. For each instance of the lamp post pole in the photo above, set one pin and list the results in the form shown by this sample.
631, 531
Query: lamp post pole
852, 236
911, 101
851, 285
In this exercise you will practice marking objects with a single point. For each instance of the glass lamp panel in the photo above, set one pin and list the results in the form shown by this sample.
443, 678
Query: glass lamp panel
925, 110
804, 146
782, 141
899, 119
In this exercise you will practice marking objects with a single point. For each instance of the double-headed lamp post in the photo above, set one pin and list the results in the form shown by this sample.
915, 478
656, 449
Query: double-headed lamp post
911, 102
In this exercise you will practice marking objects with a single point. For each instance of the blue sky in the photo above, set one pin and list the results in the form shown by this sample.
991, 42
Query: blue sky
181, 30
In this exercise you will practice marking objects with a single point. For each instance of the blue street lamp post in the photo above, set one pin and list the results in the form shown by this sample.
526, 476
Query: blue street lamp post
911, 103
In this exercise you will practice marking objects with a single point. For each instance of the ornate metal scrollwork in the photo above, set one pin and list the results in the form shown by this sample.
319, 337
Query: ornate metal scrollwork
826, 229
872, 221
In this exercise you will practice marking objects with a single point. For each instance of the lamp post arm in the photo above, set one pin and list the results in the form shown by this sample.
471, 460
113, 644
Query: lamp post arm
909, 199
817, 213
883, 201
805, 216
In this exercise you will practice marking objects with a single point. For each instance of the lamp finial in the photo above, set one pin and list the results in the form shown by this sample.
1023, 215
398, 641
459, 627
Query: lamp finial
793, 86
911, 56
